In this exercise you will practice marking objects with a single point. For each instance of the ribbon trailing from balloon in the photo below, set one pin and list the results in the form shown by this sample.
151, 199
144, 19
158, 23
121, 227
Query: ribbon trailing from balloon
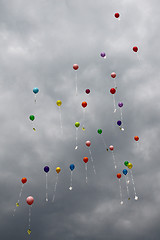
59, 103
29, 201
46, 169
23, 180
58, 169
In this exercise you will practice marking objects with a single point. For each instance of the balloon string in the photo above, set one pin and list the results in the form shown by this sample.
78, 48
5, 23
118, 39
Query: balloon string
92, 161
121, 120
76, 84
135, 194
46, 189
55, 187
103, 141
17, 204
83, 117
138, 58
115, 84
114, 103
29, 222
114, 160
86, 172
70, 188
76, 138
121, 115
120, 191
60, 117
127, 187
35, 99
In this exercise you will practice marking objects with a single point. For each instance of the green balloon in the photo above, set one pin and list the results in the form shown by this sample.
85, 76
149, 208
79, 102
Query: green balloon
32, 117
77, 124
99, 131
126, 163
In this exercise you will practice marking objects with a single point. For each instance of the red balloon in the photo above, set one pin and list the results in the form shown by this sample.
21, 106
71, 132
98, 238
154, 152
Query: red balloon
111, 148
118, 175
75, 66
84, 104
113, 74
30, 200
87, 91
116, 15
135, 49
85, 159
136, 138
24, 180
88, 143
112, 90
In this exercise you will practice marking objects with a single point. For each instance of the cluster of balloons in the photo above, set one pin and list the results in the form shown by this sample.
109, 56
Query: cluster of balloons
125, 172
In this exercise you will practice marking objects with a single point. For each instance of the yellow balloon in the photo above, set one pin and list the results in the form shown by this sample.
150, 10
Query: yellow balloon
58, 169
59, 103
129, 165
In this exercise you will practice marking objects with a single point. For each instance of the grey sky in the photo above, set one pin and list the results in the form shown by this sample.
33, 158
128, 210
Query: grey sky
39, 43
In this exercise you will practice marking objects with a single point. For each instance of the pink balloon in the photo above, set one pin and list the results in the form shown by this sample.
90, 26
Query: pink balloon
30, 200
111, 147
113, 74
88, 143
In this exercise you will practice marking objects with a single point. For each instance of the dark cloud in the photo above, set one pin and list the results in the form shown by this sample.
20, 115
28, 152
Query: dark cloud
39, 43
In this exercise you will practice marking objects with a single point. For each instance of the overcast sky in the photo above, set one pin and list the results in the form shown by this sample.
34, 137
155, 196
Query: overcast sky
40, 41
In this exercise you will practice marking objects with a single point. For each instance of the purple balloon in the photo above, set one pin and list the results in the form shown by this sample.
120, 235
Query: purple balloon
119, 123
87, 91
103, 54
120, 104
46, 169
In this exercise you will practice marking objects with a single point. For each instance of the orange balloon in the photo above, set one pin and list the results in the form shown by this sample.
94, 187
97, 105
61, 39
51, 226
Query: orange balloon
136, 138
118, 175
84, 104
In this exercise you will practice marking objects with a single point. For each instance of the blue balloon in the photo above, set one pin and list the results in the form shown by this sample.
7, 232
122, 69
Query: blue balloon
125, 171
119, 123
72, 167
35, 90
46, 169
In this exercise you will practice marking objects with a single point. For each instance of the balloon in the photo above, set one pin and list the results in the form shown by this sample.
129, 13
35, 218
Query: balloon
46, 169
118, 175
85, 159
120, 104
99, 131
111, 147
75, 66
113, 74
135, 49
126, 163
87, 91
77, 124
136, 138
30, 200
84, 104
35, 90
125, 171
129, 165
58, 169
112, 90
116, 15
72, 166
24, 180
103, 54
32, 117
119, 123
59, 103
88, 143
